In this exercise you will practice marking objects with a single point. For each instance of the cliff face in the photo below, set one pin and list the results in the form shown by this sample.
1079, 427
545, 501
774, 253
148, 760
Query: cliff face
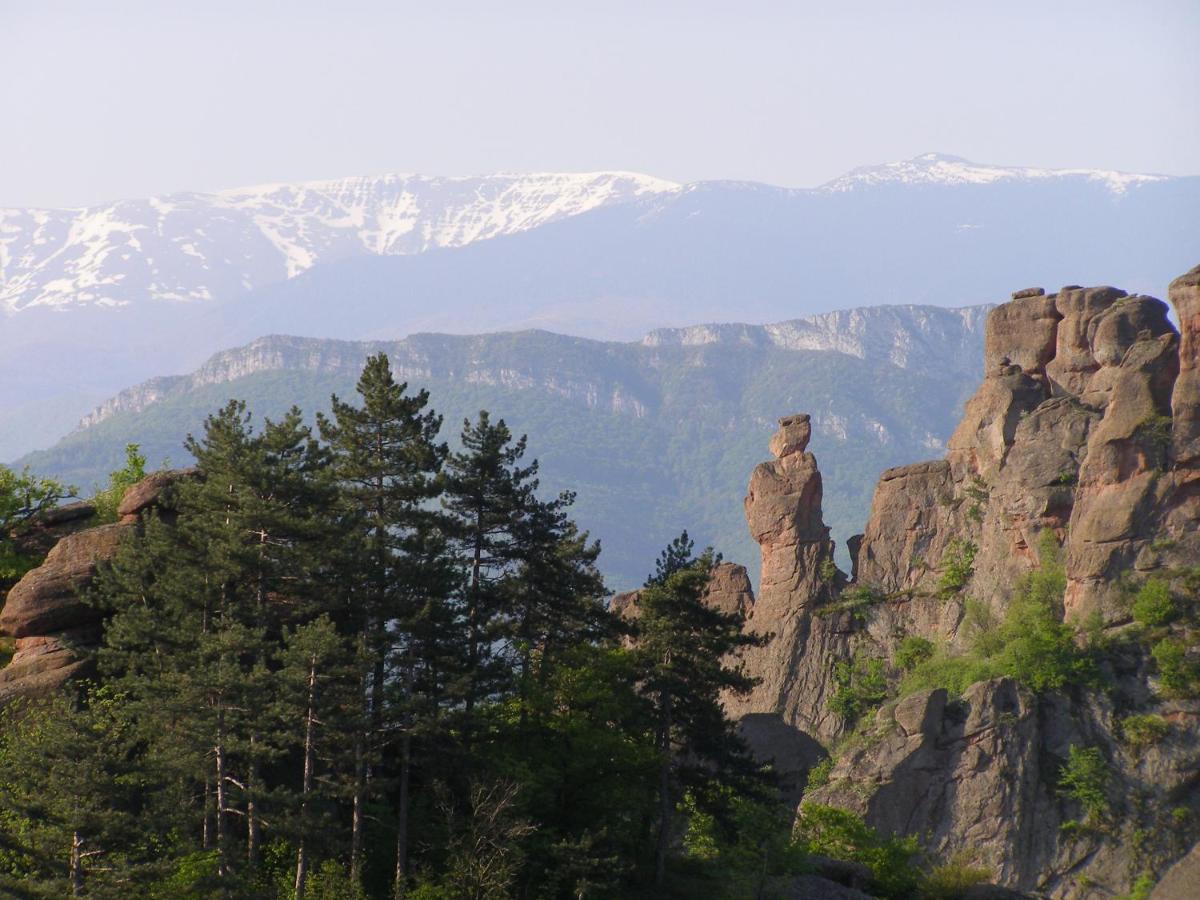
1086, 430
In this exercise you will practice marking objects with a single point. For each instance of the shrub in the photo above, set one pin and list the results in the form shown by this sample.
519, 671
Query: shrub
840, 834
818, 775
1141, 888
1084, 778
957, 563
107, 500
1153, 604
1177, 675
913, 651
861, 686
953, 878
1032, 645
1142, 731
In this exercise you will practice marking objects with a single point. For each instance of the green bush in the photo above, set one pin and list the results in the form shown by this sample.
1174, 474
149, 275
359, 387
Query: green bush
108, 500
1032, 645
952, 879
1178, 676
1084, 778
957, 566
1141, 888
861, 686
1153, 604
818, 775
837, 833
1142, 731
912, 651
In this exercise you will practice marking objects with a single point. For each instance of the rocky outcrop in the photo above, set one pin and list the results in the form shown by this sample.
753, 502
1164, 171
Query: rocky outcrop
1085, 433
783, 512
46, 612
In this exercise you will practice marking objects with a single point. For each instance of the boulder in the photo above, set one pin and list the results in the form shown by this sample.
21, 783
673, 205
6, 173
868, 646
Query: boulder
49, 598
792, 437
1182, 880
1021, 333
152, 491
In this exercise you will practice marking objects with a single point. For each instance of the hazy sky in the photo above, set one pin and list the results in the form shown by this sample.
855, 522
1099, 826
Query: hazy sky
102, 100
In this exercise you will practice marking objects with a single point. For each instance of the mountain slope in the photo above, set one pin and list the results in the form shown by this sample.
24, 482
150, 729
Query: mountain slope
660, 432
197, 247
611, 258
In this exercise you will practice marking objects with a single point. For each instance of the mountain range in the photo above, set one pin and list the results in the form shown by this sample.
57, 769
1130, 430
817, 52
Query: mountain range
659, 431
93, 300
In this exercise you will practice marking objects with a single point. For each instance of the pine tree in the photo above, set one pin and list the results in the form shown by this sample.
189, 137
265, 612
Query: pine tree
686, 649
490, 496
387, 461
71, 791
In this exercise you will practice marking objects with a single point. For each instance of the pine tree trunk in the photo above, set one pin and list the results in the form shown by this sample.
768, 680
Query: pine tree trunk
473, 629
359, 812
306, 781
76, 864
402, 817
219, 757
252, 821
665, 806
207, 814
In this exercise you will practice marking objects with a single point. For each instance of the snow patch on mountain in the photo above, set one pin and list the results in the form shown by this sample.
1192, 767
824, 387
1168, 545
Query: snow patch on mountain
194, 247
937, 168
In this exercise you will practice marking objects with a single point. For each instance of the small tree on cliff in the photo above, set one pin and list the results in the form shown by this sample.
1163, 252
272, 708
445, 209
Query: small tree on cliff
685, 648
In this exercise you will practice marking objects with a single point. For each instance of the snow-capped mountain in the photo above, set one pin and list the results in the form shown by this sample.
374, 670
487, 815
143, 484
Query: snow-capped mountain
94, 300
199, 247
939, 168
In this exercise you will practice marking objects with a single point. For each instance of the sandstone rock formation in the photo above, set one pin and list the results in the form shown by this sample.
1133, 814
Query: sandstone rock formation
45, 612
1085, 431
783, 511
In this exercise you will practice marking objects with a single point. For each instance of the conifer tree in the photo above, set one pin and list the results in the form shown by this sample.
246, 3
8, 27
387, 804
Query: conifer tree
490, 496
387, 461
687, 651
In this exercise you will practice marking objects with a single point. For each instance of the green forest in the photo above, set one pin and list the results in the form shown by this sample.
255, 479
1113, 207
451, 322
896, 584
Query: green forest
351, 663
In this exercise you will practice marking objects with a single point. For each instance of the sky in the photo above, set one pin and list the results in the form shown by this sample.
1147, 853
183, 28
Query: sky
103, 99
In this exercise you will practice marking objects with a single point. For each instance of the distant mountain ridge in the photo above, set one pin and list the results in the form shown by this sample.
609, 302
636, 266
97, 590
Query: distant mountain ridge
197, 247
661, 431
610, 256
901, 335
201, 247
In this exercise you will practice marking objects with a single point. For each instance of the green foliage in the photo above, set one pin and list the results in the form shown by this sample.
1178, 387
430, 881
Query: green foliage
1178, 672
108, 500
861, 685
1155, 433
856, 600
952, 879
1032, 645
1084, 778
746, 850
1141, 888
827, 570
912, 651
840, 834
22, 498
957, 565
818, 775
1153, 603
1142, 731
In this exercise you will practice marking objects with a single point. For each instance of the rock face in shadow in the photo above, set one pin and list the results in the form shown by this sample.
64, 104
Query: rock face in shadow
1083, 438
45, 612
